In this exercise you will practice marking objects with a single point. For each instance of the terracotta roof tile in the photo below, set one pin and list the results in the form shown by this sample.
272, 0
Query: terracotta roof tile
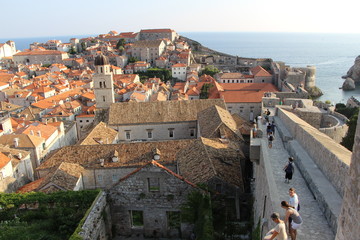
130, 154
155, 112
100, 134
4, 160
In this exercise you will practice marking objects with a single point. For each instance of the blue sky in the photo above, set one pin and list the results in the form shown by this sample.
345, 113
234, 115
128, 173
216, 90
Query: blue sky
36, 18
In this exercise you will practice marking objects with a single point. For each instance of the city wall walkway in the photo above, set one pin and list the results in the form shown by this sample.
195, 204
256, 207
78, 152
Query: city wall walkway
315, 225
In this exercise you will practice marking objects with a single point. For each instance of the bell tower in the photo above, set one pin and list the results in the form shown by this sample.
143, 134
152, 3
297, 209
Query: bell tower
103, 83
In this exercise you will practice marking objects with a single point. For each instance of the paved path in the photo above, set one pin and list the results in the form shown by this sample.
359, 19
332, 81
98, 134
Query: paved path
315, 226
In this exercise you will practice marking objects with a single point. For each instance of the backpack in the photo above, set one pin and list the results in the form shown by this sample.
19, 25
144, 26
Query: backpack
271, 138
289, 168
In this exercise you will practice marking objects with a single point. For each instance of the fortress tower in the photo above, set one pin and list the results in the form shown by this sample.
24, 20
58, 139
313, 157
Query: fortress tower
103, 83
310, 76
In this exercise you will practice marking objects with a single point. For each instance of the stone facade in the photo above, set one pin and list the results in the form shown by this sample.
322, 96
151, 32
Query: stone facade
348, 224
40, 57
156, 132
245, 110
153, 194
103, 86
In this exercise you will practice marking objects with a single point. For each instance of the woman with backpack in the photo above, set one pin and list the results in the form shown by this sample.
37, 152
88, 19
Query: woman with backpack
289, 170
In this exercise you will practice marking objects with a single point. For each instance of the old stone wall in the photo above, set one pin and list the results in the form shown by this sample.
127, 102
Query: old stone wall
332, 158
134, 194
266, 193
336, 130
283, 95
181, 130
95, 223
248, 111
348, 224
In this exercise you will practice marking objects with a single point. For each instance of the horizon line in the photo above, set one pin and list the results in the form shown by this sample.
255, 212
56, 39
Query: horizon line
180, 33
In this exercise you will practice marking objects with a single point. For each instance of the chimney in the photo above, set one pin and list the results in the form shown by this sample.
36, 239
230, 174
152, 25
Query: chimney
16, 142
32, 132
102, 162
19, 156
38, 133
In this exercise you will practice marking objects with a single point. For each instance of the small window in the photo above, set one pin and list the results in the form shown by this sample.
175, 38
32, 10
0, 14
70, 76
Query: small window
171, 132
137, 219
100, 84
99, 178
114, 178
192, 132
153, 184
87, 120
104, 98
80, 121
149, 134
263, 80
127, 135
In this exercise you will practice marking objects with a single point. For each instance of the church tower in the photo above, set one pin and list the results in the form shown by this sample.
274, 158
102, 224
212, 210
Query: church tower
103, 83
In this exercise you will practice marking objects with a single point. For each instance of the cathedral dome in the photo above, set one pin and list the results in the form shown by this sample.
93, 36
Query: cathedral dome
101, 60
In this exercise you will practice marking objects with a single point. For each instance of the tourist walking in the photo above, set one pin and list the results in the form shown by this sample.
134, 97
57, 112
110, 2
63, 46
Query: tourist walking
294, 199
268, 128
289, 170
273, 127
270, 140
296, 219
279, 232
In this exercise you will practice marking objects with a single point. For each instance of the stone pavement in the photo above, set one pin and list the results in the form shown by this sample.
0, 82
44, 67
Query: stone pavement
315, 226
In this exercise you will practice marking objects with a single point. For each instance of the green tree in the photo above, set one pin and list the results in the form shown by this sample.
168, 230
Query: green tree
352, 114
132, 59
120, 43
72, 50
210, 70
83, 46
197, 210
204, 93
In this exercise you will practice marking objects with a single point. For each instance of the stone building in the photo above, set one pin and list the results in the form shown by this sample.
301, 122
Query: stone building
150, 203
154, 121
39, 57
148, 50
245, 99
103, 83
154, 34
7, 49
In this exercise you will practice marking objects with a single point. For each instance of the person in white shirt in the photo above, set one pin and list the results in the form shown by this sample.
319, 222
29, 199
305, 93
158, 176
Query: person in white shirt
279, 232
294, 199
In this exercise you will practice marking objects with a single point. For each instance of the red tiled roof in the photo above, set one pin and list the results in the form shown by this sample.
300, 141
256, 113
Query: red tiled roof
37, 52
258, 71
3, 160
30, 187
179, 65
245, 92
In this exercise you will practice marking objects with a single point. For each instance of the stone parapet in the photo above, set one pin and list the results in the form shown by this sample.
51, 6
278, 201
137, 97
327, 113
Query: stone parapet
332, 158
266, 192
94, 226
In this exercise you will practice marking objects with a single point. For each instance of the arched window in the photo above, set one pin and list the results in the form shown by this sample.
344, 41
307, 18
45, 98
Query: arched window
100, 84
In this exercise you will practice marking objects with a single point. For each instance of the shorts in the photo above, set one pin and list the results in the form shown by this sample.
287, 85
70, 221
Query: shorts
288, 176
295, 225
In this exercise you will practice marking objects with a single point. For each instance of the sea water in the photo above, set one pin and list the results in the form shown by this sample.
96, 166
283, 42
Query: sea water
332, 54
